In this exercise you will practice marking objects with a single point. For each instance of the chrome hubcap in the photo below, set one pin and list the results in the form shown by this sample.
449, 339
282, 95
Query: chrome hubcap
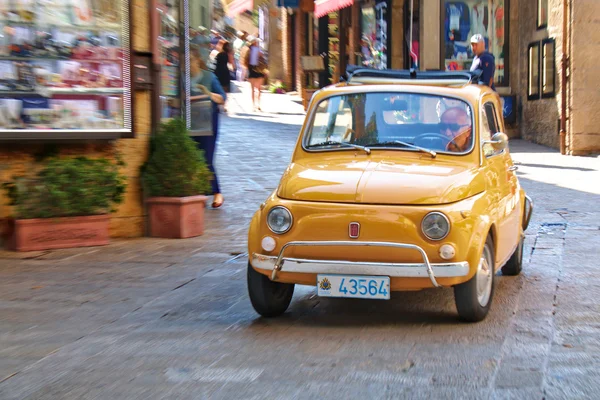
484, 277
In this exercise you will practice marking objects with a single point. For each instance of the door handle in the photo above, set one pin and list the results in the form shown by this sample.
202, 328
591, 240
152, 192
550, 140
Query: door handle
513, 168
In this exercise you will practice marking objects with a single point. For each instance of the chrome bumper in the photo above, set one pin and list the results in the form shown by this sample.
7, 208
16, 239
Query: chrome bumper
404, 270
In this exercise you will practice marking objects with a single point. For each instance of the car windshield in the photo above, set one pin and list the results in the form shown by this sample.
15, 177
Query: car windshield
404, 121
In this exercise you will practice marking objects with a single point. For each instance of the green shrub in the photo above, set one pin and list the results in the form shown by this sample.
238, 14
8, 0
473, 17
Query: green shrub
176, 167
68, 187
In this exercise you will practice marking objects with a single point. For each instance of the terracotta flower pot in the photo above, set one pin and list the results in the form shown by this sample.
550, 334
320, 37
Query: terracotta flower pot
176, 217
58, 233
306, 96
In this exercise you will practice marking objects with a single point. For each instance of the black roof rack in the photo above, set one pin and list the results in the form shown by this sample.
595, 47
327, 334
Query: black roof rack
412, 74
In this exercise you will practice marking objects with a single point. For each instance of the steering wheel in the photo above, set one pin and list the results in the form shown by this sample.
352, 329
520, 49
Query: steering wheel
436, 135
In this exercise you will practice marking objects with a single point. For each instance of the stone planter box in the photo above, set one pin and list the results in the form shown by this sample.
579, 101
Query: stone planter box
306, 96
58, 233
176, 217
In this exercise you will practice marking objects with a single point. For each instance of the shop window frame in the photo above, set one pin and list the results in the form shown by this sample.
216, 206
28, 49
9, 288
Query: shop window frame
22, 136
507, 30
539, 23
530, 84
388, 21
541, 69
552, 43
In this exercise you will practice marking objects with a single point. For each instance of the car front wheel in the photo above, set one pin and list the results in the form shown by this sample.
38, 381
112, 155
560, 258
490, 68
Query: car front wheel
474, 297
269, 299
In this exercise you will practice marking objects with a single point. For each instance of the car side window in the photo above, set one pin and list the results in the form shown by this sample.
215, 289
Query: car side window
333, 119
489, 126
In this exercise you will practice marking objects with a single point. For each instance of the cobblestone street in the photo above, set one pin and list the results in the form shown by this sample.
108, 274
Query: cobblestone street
167, 319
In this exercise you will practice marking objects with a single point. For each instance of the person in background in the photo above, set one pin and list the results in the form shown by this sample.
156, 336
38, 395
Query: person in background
483, 61
239, 45
205, 83
222, 61
255, 75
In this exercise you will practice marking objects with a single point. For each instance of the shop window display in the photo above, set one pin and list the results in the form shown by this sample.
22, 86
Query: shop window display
373, 45
465, 18
64, 65
169, 50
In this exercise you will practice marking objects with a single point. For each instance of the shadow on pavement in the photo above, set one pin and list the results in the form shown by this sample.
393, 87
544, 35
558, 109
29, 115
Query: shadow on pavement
555, 167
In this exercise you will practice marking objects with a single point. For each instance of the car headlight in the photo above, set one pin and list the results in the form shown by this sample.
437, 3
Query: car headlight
435, 226
279, 220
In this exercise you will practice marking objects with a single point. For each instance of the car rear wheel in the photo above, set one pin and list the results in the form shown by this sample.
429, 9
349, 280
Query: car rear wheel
514, 266
269, 299
474, 297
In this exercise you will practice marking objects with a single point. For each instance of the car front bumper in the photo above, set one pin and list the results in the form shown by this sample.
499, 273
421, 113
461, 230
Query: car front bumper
275, 264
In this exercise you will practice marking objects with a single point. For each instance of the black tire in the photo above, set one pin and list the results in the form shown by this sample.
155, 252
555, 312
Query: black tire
514, 265
269, 299
468, 304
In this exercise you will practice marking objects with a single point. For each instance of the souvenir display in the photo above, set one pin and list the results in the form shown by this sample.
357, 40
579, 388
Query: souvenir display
373, 42
169, 42
465, 18
61, 65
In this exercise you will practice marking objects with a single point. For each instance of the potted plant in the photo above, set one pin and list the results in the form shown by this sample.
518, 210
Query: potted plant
175, 180
67, 203
277, 87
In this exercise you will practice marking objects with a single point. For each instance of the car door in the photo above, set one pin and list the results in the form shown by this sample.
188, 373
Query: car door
514, 205
497, 178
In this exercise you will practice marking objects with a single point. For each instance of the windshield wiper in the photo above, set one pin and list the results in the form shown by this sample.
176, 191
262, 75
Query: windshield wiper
432, 153
334, 143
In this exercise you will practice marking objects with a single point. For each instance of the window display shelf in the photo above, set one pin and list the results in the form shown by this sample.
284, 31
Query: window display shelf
65, 70
49, 135
70, 27
47, 92
84, 90
51, 58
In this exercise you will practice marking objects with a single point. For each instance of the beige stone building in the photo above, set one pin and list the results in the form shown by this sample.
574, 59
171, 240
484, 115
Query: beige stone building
525, 36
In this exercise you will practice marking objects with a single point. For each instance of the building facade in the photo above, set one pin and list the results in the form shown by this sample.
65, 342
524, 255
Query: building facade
548, 99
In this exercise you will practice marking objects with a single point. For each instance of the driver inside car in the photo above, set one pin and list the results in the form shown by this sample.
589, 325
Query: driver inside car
456, 126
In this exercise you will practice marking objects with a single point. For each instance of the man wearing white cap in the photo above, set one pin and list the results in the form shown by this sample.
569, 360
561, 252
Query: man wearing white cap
483, 61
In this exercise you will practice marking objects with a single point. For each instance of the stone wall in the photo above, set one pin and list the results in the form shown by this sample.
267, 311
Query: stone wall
286, 50
128, 221
538, 119
584, 132
300, 33
275, 45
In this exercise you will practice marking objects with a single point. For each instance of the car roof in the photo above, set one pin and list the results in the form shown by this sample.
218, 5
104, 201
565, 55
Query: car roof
455, 83
471, 93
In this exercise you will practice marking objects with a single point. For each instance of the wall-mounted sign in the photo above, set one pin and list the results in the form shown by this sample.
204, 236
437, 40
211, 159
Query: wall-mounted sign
509, 111
312, 63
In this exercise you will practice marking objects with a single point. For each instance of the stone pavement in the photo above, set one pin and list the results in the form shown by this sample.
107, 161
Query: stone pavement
167, 319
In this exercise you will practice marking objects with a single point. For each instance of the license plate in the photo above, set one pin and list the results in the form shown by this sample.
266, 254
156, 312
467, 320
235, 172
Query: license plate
355, 286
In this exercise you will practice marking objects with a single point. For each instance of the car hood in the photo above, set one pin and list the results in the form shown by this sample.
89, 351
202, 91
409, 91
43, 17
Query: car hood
404, 182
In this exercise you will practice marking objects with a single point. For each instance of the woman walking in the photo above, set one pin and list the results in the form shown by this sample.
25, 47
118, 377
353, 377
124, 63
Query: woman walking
205, 83
256, 76
223, 59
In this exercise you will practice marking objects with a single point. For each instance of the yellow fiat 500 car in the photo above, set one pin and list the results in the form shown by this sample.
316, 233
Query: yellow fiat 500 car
399, 181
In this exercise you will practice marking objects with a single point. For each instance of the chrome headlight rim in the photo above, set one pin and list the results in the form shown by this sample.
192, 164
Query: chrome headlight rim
289, 214
444, 217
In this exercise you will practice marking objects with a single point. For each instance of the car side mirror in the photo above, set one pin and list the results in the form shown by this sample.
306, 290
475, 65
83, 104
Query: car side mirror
499, 141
